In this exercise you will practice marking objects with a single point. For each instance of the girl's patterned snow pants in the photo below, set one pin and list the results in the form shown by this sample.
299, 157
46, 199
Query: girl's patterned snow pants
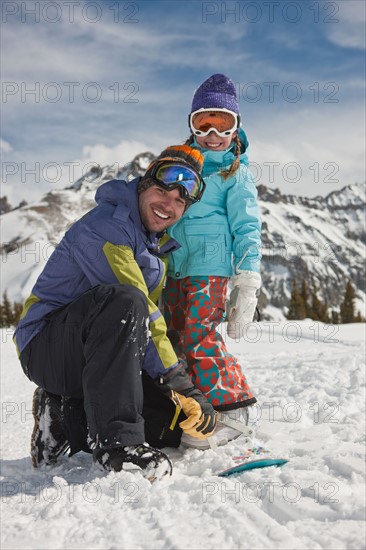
193, 309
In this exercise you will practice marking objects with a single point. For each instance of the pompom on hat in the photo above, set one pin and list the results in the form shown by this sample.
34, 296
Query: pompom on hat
176, 153
217, 92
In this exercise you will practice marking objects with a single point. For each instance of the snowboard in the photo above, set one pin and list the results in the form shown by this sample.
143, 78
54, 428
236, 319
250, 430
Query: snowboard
257, 457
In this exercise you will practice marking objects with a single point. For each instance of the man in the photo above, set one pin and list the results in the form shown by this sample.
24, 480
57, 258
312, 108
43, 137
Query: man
91, 325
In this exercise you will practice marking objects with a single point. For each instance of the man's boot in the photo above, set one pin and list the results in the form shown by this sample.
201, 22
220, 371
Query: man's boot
152, 463
48, 440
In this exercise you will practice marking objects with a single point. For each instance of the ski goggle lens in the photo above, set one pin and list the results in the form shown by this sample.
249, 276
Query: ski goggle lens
222, 122
172, 175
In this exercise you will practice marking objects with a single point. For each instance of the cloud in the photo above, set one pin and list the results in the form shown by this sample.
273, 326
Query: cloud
5, 147
42, 56
84, 52
349, 30
120, 154
43, 176
310, 154
158, 62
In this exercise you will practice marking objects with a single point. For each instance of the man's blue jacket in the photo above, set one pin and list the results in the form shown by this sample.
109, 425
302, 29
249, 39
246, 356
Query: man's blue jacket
108, 245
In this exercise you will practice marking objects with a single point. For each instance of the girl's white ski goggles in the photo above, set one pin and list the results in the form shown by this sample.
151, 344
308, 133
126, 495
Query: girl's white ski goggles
221, 121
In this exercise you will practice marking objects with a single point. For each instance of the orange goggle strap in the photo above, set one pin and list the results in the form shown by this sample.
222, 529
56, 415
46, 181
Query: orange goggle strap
180, 153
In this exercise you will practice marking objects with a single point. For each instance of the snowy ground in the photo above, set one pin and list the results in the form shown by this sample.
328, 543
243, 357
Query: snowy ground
309, 379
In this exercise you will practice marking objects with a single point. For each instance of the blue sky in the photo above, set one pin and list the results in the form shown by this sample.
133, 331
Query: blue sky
112, 79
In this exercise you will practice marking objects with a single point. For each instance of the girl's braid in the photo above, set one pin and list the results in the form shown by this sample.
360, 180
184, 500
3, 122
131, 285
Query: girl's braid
235, 165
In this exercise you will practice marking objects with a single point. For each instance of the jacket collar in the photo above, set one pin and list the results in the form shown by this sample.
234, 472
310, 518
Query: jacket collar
124, 194
220, 159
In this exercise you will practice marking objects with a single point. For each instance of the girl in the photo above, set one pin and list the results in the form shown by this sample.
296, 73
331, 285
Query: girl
220, 238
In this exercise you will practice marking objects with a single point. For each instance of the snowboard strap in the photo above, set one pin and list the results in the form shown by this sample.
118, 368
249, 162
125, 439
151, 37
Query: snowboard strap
212, 442
248, 431
239, 426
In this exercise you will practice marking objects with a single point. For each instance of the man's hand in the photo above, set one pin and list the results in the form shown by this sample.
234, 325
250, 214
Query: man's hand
243, 301
201, 418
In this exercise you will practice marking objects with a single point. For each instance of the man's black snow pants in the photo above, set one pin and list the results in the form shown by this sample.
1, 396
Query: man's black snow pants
93, 349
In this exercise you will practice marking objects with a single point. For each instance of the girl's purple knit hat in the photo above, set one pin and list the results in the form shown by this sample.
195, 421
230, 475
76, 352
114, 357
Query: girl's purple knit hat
217, 92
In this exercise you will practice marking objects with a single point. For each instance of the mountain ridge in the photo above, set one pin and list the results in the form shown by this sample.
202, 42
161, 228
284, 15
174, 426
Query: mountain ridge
321, 237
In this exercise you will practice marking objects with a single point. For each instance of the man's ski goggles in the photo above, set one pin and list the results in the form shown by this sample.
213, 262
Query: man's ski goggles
172, 175
221, 121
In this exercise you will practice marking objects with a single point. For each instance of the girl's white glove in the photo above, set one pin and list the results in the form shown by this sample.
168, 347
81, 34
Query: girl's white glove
243, 301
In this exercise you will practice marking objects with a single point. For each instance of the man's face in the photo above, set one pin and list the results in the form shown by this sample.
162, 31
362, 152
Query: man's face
160, 208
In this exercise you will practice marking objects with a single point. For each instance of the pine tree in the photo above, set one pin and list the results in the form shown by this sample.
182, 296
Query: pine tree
334, 317
6, 311
325, 315
319, 309
359, 318
296, 308
315, 303
9, 312
347, 309
305, 298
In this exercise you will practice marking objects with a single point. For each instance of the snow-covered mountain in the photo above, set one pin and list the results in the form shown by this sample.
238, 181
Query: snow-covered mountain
30, 233
320, 237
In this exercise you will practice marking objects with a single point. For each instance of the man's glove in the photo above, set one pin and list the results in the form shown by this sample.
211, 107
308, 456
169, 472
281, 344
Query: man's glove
243, 301
201, 419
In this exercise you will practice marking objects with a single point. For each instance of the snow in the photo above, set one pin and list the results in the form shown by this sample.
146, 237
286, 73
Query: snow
352, 195
309, 379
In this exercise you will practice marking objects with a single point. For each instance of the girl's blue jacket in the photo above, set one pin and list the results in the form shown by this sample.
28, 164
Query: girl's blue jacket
221, 234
